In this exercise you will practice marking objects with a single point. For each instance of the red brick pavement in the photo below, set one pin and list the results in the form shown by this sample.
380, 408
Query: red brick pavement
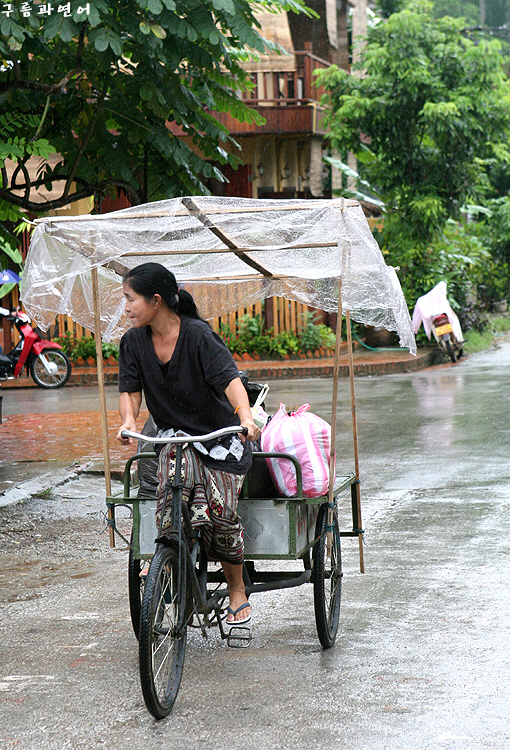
76, 438
73, 438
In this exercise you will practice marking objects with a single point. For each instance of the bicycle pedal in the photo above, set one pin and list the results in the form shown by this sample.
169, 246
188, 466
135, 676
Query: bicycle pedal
239, 637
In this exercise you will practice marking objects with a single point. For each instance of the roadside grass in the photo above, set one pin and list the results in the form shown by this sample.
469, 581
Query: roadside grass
478, 342
46, 494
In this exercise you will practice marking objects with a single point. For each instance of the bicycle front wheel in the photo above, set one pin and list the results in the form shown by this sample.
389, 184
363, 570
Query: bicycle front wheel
162, 641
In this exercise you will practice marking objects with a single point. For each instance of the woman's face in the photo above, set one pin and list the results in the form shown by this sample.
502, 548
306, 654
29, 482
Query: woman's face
140, 312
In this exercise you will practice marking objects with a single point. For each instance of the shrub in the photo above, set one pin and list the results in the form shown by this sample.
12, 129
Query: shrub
251, 338
283, 344
85, 347
67, 342
110, 350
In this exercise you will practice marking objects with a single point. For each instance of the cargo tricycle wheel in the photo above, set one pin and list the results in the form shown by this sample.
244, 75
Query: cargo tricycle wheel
327, 577
135, 587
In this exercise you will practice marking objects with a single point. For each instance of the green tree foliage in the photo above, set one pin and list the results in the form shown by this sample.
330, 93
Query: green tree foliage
100, 88
468, 9
11, 226
497, 12
385, 8
430, 111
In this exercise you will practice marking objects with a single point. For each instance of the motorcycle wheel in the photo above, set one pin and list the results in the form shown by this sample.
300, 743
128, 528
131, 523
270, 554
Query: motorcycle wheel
60, 365
449, 349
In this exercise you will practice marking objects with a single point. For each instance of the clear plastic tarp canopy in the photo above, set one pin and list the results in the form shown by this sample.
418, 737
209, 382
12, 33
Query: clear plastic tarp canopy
228, 252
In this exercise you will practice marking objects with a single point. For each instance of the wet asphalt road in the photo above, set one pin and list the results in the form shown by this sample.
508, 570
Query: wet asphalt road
422, 658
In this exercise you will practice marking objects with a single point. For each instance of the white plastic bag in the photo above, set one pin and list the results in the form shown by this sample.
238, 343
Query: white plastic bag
259, 415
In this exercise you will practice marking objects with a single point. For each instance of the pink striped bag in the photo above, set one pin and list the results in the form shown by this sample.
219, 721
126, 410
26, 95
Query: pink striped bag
305, 436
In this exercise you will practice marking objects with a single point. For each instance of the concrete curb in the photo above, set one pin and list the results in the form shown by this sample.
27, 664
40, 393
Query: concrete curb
40, 483
79, 376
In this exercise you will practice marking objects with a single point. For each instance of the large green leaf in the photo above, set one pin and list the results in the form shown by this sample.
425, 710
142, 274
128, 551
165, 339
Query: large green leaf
5, 289
102, 88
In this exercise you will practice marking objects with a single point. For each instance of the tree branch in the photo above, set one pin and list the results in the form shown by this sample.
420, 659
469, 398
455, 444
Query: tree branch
44, 180
86, 192
86, 141
20, 167
20, 84
17, 69
81, 43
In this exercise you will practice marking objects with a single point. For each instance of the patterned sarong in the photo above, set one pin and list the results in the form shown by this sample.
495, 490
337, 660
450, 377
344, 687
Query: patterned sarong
213, 505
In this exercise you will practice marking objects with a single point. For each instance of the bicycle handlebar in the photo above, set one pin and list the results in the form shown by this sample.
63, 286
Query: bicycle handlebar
181, 439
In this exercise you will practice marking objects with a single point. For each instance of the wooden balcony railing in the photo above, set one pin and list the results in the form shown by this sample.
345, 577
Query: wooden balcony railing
284, 88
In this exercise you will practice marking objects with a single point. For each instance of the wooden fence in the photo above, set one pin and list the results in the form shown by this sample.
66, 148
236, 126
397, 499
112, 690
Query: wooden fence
277, 313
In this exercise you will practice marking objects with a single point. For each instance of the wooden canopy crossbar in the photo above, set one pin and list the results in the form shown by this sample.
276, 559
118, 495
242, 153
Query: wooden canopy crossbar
206, 251
341, 203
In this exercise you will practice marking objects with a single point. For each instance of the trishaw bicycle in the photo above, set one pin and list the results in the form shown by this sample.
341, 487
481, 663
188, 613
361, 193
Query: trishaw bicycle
180, 592
232, 253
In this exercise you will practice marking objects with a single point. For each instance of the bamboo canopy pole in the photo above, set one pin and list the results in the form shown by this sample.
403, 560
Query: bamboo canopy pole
334, 402
202, 217
236, 249
102, 397
355, 439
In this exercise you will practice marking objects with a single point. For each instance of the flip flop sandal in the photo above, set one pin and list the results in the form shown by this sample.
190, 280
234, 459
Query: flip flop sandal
244, 620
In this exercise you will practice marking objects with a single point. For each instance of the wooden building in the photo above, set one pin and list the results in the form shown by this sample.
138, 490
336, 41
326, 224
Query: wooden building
283, 157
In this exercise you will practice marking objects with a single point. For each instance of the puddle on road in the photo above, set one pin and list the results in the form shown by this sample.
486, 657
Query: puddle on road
22, 580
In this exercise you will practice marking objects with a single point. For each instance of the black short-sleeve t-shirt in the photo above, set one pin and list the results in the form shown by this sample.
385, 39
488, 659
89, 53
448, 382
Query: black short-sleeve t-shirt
187, 393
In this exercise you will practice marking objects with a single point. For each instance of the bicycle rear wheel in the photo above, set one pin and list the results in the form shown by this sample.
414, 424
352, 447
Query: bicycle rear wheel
162, 642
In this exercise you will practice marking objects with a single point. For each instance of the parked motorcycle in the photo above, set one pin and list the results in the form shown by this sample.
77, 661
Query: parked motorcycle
438, 318
443, 333
46, 361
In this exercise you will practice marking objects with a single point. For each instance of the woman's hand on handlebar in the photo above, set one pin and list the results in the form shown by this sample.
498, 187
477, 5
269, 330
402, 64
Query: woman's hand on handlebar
253, 432
129, 425
129, 409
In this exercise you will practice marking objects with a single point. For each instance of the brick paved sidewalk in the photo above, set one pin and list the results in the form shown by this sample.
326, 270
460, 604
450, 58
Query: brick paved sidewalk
366, 362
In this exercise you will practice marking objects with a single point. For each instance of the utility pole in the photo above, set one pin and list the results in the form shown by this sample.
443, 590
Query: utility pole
359, 32
483, 13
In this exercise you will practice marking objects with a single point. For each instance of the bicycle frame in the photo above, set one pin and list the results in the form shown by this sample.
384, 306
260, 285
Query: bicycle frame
180, 522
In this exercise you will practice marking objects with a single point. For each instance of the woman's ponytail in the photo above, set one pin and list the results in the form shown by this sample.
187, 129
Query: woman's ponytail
186, 304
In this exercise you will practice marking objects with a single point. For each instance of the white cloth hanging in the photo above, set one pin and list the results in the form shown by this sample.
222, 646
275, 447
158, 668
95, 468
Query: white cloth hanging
431, 304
